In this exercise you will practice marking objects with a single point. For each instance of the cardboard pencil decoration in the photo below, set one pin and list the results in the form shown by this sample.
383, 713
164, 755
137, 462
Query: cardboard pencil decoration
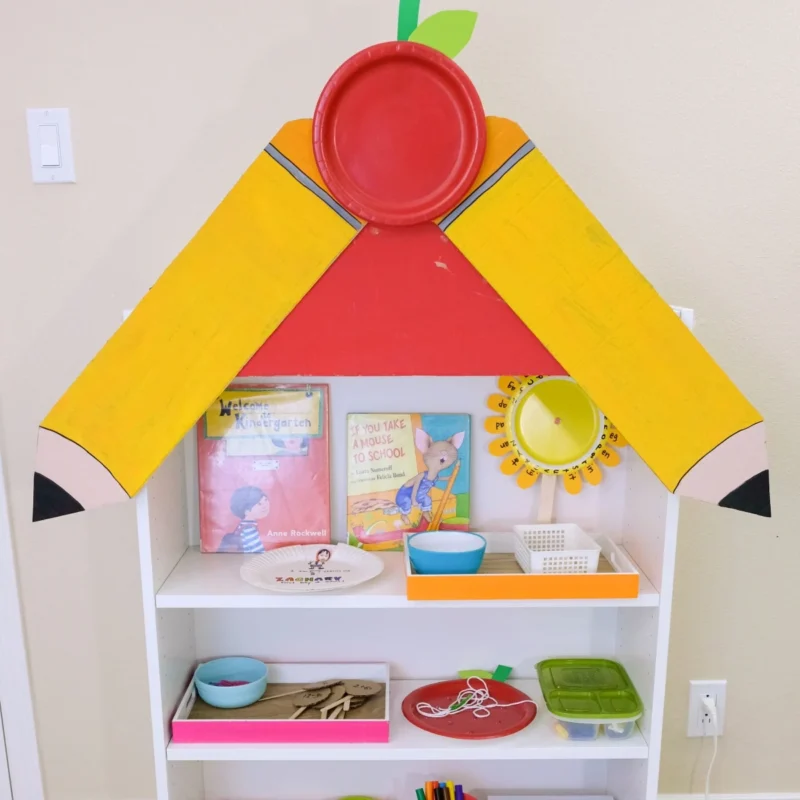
418, 163
556, 266
275, 233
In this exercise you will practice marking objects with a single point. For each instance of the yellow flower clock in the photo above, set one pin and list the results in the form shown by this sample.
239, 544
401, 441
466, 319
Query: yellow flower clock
548, 425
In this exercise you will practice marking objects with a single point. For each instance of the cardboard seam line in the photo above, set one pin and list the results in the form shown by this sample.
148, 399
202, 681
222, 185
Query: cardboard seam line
479, 191
302, 178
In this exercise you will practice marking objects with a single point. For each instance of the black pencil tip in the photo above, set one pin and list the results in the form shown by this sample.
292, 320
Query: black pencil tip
50, 500
752, 496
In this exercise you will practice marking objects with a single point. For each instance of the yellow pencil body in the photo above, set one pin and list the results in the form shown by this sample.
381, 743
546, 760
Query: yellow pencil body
254, 259
542, 250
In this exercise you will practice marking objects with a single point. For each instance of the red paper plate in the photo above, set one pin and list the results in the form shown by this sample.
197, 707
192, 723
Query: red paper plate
399, 133
501, 722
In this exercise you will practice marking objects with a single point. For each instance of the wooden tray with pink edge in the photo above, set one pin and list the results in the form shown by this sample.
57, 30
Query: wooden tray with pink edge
302, 704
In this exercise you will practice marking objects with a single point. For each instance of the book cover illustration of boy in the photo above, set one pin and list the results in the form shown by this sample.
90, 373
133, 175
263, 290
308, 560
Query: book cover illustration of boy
263, 469
249, 504
406, 473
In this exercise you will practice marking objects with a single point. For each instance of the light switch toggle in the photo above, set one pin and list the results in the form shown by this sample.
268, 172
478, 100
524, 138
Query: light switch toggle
49, 151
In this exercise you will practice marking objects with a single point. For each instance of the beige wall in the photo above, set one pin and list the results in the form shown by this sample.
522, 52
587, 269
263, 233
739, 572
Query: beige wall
677, 123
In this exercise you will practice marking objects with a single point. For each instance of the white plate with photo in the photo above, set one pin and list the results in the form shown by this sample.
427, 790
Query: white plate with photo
302, 569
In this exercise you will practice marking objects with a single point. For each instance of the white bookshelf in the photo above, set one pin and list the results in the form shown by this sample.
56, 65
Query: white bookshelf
196, 607
409, 743
202, 582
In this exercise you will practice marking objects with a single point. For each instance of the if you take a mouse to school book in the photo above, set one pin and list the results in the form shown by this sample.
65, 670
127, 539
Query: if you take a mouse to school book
406, 473
263, 467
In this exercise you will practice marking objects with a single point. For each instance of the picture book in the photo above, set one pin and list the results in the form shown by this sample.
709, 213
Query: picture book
406, 473
264, 471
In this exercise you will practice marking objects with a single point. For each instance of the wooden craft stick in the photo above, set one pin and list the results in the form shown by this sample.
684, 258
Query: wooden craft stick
344, 707
323, 712
337, 707
437, 518
547, 495
285, 694
336, 696
329, 684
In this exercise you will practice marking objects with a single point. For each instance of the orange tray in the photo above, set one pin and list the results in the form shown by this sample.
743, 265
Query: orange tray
620, 581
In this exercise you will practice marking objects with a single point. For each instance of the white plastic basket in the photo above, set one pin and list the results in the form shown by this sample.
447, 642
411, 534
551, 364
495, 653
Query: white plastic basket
555, 549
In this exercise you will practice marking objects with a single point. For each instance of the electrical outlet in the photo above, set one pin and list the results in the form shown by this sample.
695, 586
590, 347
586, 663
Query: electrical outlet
699, 719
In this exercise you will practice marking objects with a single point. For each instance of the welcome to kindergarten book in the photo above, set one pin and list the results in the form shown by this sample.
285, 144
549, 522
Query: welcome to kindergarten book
406, 473
264, 470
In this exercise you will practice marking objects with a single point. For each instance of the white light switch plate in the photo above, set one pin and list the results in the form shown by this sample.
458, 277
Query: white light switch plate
50, 145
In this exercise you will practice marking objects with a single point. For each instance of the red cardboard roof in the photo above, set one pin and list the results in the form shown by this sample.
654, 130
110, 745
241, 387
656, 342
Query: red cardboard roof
402, 301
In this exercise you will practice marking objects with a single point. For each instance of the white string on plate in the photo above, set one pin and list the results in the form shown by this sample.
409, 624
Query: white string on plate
476, 699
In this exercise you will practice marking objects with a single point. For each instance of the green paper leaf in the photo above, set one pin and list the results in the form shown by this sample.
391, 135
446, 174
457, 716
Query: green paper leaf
407, 18
446, 31
475, 673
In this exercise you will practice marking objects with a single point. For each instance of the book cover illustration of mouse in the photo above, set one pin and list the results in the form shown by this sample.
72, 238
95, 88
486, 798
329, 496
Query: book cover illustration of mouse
406, 473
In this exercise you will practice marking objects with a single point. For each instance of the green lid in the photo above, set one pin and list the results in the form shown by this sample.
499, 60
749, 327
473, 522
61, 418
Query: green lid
588, 689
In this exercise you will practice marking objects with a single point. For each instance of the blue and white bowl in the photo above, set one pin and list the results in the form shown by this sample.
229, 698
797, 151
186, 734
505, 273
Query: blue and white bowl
231, 669
446, 552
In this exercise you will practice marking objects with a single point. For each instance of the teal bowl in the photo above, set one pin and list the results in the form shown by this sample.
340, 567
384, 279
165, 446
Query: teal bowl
250, 670
446, 552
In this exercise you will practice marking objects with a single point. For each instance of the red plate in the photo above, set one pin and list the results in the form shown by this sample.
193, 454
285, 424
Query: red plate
399, 133
501, 722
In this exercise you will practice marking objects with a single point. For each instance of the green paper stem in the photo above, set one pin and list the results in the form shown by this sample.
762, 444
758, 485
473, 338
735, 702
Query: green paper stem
502, 673
407, 19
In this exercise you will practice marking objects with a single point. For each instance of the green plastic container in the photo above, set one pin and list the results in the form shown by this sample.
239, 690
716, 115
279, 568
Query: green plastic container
588, 694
